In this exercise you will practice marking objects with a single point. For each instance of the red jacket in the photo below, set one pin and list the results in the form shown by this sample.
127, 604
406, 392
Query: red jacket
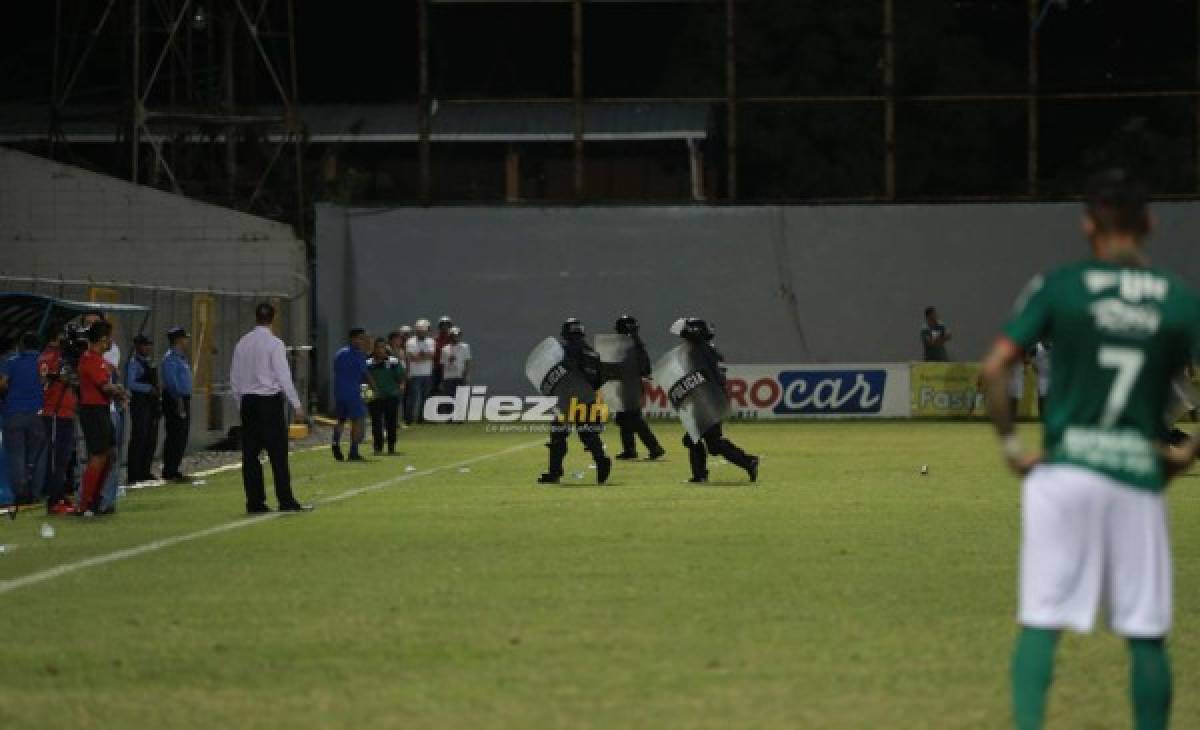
59, 400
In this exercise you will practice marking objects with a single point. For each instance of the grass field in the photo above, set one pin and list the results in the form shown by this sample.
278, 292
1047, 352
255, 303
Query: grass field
844, 591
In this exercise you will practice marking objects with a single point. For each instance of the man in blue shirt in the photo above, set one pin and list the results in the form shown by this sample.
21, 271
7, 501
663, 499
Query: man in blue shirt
349, 373
24, 435
145, 407
176, 402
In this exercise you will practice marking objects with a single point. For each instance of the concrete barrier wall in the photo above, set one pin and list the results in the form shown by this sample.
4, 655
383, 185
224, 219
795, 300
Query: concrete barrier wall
796, 284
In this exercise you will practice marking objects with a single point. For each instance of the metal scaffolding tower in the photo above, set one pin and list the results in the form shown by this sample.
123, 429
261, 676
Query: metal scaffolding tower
203, 100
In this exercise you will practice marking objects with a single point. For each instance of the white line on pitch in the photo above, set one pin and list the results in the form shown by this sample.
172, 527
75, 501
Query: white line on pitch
133, 552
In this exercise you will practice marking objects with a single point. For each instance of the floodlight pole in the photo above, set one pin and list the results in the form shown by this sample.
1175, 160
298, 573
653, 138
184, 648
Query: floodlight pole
889, 104
135, 96
1031, 104
1196, 100
577, 93
731, 143
423, 100
295, 127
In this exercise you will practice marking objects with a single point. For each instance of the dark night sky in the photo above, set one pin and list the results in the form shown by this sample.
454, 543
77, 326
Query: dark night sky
358, 51
366, 51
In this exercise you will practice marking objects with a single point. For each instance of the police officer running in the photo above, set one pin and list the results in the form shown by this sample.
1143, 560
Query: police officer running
699, 334
631, 421
583, 360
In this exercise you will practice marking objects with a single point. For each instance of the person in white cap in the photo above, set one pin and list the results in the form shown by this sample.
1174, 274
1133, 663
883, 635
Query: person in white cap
420, 350
455, 361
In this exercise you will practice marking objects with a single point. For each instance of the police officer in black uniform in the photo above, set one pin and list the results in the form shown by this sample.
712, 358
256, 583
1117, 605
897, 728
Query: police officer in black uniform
631, 421
700, 335
145, 409
580, 358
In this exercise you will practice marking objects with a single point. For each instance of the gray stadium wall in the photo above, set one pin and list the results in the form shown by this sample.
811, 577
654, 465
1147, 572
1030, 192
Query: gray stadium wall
67, 232
794, 284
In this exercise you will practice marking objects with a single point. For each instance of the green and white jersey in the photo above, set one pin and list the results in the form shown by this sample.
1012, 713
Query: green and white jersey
1119, 335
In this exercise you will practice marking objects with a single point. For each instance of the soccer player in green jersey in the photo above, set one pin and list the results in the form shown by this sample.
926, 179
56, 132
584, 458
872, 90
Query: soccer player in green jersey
1093, 514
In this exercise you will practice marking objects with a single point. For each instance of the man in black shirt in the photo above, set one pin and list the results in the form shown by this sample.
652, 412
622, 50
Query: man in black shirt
934, 337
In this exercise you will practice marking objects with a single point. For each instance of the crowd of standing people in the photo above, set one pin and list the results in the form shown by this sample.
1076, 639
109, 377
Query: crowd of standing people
390, 378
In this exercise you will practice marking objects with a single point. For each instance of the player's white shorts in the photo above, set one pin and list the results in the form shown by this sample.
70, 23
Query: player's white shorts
1087, 542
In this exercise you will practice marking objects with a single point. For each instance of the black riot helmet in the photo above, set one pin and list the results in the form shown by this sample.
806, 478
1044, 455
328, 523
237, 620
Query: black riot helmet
697, 329
572, 328
627, 324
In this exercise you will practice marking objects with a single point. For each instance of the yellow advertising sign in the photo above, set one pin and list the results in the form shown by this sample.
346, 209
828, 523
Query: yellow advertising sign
946, 389
953, 390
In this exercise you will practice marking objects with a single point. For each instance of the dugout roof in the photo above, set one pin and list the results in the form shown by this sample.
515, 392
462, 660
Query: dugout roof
21, 313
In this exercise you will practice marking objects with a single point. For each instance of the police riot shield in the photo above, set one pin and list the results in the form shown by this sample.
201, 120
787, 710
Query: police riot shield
700, 400
622, 389
546, 372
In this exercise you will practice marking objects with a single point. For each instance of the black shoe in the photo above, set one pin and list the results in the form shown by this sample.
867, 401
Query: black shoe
261, 509
656, 454
752, 469
549, 478
376, 452
106, 511
355, 457
626, 455
296, 507
391, 451
179, 478
337, 452
603, 469
700, 479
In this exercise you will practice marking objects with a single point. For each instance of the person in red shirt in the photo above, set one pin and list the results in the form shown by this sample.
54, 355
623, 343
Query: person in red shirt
58, 418
96, 394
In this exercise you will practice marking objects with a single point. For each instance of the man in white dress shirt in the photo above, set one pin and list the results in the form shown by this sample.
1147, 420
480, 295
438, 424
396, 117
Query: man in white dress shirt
260, 379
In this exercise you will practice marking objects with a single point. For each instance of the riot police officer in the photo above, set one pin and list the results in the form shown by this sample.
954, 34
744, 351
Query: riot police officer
708, 361
581, 359
630, 421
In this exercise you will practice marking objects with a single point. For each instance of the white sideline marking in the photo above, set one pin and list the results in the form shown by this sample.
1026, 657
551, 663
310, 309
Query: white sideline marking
234, 466
133, 552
